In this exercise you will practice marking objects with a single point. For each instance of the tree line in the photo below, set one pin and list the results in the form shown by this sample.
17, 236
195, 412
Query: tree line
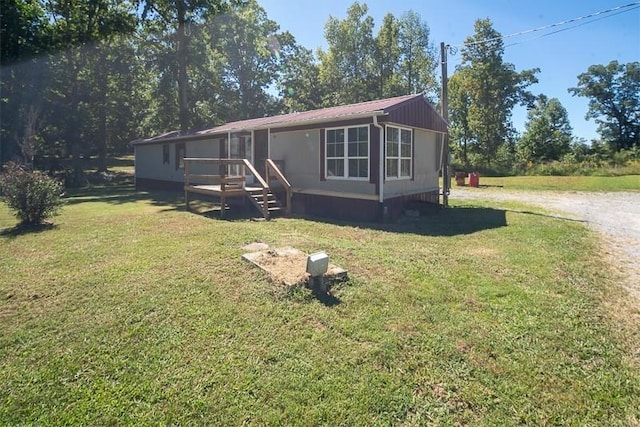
484, 90
83, 78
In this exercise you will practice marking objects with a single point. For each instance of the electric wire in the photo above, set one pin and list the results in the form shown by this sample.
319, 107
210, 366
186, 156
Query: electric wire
628, 7
572, 27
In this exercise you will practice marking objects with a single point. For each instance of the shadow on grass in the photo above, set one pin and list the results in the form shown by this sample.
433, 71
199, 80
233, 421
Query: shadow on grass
304, 294
124, 193
451, 221
564, 218
21, 230
325, 298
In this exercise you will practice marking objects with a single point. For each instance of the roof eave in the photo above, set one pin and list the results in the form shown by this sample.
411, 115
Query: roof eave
217, 131
302, 122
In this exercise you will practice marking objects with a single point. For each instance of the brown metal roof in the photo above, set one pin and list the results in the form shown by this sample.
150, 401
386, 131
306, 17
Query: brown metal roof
344, 112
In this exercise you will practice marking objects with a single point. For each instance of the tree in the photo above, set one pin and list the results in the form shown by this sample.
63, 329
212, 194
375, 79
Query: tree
418, 61
492, 88
547, 134
171, 31
614, 101
78, 26
250, 48
459, 104
347, 67
24, 35
387, 58
116, 97
299, 82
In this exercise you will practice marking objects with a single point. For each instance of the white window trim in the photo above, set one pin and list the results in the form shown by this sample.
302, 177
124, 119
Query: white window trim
345, 157
399, 158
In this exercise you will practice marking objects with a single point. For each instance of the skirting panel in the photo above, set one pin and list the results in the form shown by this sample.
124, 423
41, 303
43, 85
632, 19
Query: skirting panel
396, 206
339, 208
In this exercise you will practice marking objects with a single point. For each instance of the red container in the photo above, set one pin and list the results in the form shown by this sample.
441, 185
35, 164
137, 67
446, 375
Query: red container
474, 179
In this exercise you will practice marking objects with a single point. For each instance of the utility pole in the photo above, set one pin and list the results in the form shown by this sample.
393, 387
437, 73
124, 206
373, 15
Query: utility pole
446, 184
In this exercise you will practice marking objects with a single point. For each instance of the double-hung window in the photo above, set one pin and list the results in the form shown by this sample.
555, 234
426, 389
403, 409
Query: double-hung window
399, 153
347, 153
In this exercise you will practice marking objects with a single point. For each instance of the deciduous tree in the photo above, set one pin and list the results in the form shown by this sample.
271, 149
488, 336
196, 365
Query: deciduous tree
24, 41
547, 134
251, 49
387, 58
614, 101
493, 88
77, 27
418, 61
347, 67
299, 82
172, 26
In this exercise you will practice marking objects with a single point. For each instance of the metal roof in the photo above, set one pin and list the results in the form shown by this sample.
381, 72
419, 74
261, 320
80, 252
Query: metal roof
343, 112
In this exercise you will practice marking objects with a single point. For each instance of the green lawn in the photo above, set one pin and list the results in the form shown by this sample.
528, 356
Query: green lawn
565, 183
132, 311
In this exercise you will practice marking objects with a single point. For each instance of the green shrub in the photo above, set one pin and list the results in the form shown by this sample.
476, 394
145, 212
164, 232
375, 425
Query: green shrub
32, 195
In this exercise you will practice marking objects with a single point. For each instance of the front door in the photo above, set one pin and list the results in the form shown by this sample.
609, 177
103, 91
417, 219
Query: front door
241, 147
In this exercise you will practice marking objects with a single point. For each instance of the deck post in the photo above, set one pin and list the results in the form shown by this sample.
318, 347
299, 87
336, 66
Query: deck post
186, 184
265, 201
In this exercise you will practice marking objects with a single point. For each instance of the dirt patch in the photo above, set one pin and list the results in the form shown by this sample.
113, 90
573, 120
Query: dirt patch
289, 266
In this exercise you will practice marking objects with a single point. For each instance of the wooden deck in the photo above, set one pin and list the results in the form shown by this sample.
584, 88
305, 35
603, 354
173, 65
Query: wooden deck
224, 185
216, 190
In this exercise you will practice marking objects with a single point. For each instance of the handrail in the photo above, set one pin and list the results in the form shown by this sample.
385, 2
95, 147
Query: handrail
270, 165
255, 173
208, 160
265, 188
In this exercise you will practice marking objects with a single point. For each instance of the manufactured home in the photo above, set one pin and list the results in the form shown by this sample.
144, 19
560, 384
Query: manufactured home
358, 162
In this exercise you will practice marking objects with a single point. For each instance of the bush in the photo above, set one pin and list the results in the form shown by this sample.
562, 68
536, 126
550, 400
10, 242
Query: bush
32, 195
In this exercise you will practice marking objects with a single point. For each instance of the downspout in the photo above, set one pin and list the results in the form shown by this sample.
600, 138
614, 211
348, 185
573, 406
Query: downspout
381, 166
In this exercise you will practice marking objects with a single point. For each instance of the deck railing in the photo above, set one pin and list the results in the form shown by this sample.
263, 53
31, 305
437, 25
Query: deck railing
229, 183
270, 166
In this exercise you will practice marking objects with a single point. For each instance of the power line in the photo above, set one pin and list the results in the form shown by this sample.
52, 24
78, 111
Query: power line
571, 28
634, 5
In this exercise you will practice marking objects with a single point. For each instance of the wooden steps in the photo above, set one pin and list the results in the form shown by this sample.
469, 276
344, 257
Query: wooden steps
257, 198
235, 186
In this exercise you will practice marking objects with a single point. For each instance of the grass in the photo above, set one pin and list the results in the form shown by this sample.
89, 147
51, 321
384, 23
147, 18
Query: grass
132, 311
565, 183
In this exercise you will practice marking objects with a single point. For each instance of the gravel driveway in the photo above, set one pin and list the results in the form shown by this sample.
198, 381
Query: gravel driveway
616, 216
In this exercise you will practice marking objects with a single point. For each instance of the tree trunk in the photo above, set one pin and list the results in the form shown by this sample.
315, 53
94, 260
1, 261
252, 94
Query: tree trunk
183, 78
102, 100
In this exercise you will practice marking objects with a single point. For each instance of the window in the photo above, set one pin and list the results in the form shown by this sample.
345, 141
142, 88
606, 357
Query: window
181, 153
399, 152
347, 153
165, 154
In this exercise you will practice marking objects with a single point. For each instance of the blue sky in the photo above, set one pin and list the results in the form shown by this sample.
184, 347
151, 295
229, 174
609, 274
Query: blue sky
560, 57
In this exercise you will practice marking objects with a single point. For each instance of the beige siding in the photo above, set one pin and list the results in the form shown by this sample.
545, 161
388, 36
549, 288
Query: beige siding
425, 167
300, 151
149, 159
149, 163
208, 149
